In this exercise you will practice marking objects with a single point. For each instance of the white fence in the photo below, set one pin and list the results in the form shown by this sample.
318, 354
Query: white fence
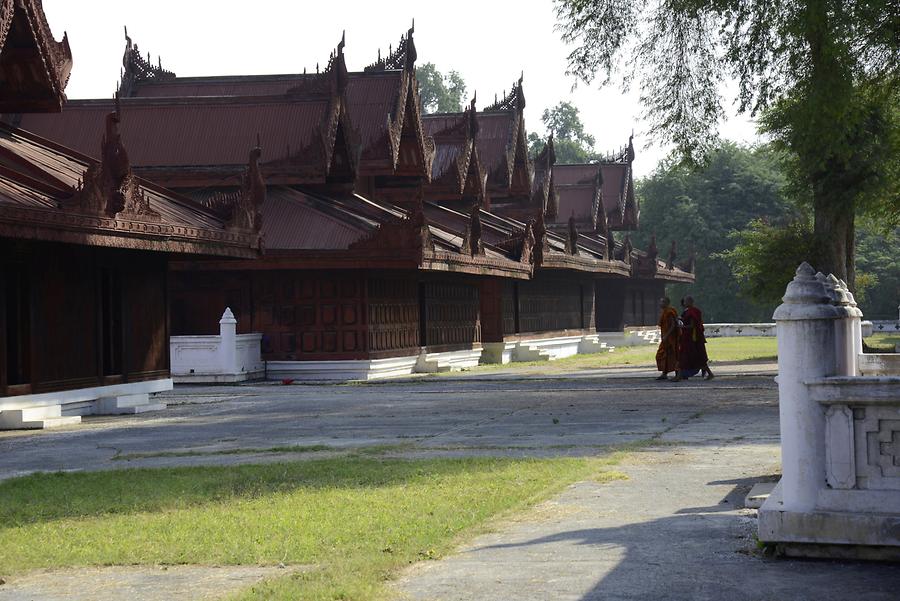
840, 431
228, 357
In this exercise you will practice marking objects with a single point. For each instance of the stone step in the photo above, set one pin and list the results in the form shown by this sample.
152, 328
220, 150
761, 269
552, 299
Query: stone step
35, 418
758, 494
127, 405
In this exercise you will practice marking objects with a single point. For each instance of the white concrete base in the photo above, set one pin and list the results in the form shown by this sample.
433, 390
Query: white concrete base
36, 418
223, 359
498, 352
218, 378
777, 525
591, 343
126, 405
362, 369
547, 349
642, 337
52, 409
881, 364
448, 361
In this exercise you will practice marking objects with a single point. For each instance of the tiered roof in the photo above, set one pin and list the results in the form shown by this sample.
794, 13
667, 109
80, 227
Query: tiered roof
340, 145
34, 67
51, 193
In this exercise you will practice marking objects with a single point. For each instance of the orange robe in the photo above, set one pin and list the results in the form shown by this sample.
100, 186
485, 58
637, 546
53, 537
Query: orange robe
667, 353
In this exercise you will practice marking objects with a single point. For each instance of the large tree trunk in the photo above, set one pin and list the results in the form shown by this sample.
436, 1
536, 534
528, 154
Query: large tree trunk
836, 238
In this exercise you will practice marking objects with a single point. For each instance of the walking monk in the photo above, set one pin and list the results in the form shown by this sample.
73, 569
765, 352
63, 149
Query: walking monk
692, 357
667, 354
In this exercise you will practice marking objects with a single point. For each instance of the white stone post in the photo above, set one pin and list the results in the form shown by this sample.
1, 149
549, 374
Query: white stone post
806, 350
228, 342
856, 318
844, 333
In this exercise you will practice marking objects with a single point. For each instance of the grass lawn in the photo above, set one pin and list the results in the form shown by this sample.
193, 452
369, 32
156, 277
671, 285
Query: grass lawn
747, 348
351, 523
883, 342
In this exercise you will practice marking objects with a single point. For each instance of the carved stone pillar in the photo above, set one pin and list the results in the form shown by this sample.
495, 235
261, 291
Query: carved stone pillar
806, 350
228, 342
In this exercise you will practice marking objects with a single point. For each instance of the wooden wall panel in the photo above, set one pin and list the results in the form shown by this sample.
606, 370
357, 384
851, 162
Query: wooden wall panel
198, 300
72, 293
393, 315
310, 315
145, 311
452, 313
65, 308
549, 305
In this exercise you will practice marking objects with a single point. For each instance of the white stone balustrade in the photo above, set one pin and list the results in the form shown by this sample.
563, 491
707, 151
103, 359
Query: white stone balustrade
228, 357
839, 494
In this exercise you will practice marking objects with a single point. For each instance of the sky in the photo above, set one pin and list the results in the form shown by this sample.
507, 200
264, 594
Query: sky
488, 42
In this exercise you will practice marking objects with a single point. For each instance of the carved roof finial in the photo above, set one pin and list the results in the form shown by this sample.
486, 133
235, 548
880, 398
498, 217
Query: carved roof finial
572, 237
514, 100
670, 261
404, 57
137, 69
653, 250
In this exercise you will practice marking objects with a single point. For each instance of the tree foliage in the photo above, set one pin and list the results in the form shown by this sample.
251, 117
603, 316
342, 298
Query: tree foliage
571, 143
440, 93
700, 210
823, 73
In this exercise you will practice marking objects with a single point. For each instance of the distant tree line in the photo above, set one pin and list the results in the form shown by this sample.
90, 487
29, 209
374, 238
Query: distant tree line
739, 215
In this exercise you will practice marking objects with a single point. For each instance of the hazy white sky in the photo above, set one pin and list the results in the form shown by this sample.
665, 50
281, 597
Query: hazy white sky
489, 42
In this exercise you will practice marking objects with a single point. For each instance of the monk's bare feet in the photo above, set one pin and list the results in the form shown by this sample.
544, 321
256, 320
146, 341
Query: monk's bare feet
663, 377
709, 375
677, 378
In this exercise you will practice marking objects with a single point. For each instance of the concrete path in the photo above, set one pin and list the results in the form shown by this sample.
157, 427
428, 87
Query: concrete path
672, 531
438, 416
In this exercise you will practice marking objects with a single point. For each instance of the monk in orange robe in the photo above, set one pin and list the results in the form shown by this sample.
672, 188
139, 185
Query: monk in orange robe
667, 354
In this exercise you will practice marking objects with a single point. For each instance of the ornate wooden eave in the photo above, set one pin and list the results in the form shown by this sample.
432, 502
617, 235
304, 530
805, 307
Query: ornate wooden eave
410, 233
439, 260
472, 244
242, 210
626, 215
34, 67
53, 225
544, 194
406, 114
518, 169
136, 69
598, 215
110, 188
336, 130
108, 206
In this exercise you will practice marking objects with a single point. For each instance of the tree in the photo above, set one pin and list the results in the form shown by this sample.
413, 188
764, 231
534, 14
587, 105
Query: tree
823, 73
440, 93
701, 208
570, 142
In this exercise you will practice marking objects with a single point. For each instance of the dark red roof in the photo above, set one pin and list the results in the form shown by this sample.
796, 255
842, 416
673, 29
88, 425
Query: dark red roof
496, 142
189, 132
372, 98
38, 176
449, 133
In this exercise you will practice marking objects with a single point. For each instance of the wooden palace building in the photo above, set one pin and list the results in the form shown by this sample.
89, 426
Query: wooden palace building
85, 250
393, 241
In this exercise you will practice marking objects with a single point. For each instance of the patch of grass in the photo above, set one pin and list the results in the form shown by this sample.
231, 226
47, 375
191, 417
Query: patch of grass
749, 348
237, 451
353, 522
883, 342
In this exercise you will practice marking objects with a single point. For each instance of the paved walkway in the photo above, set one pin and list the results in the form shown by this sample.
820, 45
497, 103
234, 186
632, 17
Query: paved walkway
674, 530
